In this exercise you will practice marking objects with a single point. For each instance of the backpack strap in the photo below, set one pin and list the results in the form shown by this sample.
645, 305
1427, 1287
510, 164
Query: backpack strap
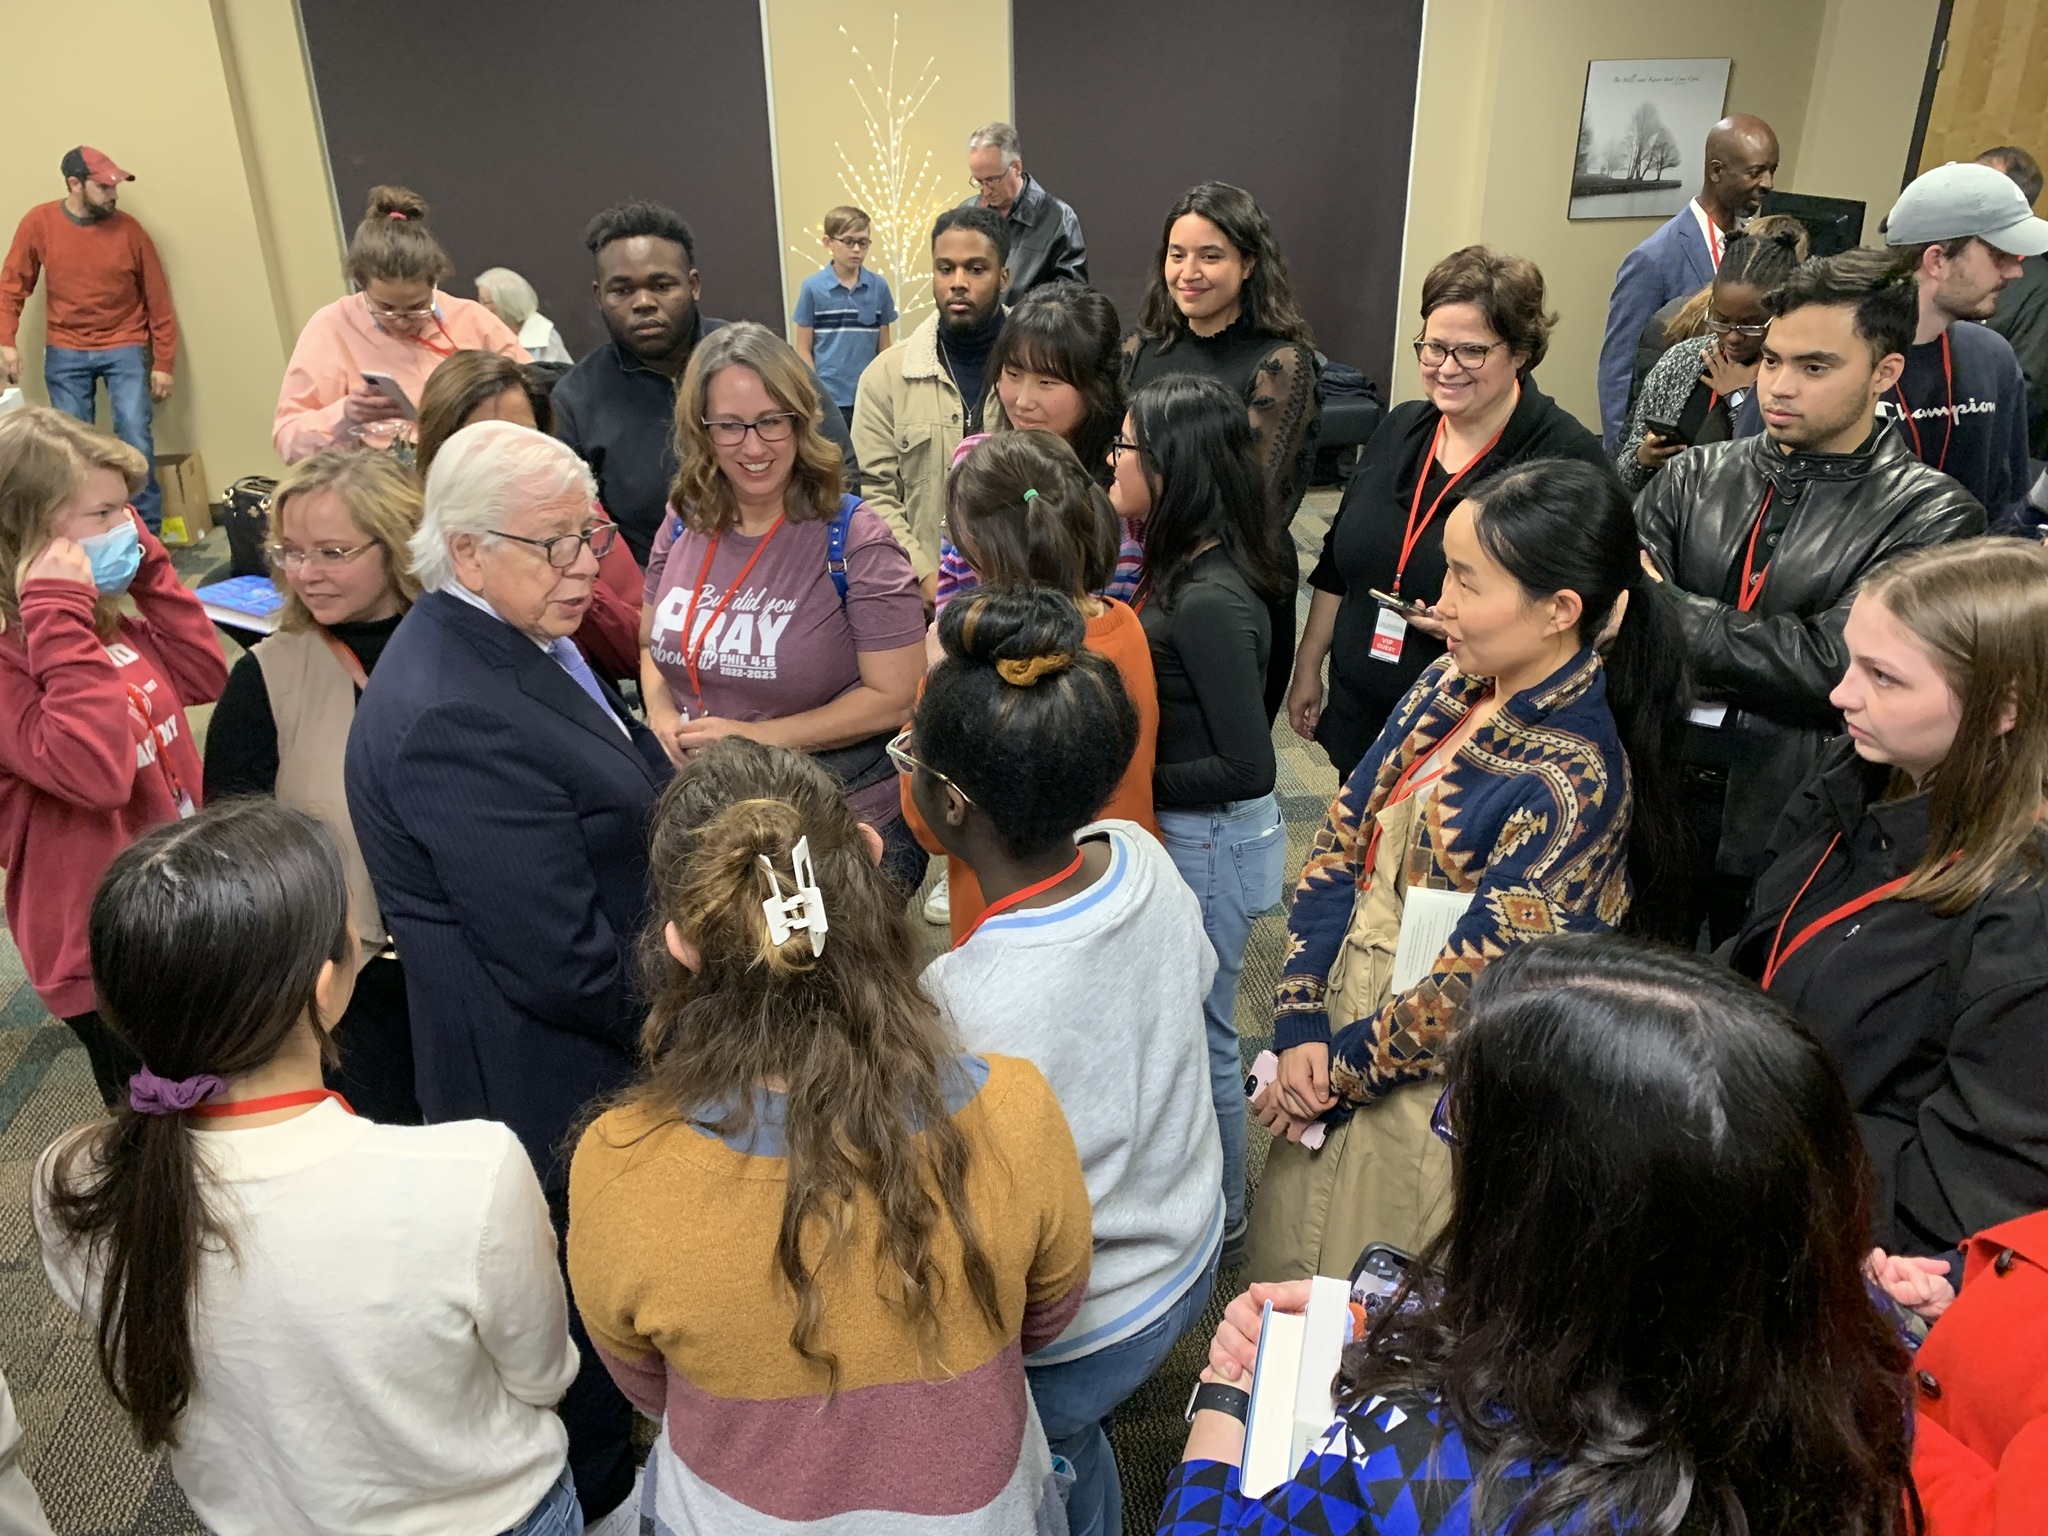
835, 544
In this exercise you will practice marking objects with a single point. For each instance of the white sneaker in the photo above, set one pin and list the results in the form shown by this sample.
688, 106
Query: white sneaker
938, 907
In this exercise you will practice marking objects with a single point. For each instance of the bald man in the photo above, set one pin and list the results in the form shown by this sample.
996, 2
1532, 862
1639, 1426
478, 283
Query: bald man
1680, 258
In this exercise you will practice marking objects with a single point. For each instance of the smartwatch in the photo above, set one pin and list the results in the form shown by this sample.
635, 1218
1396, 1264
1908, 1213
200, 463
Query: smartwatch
1223, 1399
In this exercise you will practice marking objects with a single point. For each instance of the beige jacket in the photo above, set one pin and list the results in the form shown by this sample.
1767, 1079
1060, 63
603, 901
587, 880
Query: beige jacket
906, 424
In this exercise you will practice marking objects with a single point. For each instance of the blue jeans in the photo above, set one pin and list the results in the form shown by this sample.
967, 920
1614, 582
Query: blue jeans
557, 1514
1078, 1399
1233, 857
71, 376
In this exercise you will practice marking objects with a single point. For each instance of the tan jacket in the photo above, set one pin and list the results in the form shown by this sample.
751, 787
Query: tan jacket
906, 424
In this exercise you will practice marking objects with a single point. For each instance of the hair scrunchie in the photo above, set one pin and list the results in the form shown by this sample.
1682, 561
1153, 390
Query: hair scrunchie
399, 214
149, 1094
1023, 671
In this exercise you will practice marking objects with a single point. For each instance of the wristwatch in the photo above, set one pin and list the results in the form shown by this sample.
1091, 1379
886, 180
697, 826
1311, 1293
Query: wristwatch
1223, 1399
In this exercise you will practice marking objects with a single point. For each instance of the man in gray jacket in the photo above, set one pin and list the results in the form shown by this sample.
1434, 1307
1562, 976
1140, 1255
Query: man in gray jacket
1045, 234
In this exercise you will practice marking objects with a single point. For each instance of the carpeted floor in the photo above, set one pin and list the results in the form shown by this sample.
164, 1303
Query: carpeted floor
79, 1453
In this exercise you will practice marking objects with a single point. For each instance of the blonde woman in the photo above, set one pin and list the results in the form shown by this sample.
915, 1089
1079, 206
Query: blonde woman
340, 522
101, 650
747, 629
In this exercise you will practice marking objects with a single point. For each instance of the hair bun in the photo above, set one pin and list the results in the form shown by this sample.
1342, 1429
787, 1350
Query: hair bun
1024, 633
396, 203
1022, 672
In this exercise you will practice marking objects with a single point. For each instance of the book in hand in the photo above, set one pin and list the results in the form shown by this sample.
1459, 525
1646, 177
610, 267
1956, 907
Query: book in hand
1291, 1399
250, 603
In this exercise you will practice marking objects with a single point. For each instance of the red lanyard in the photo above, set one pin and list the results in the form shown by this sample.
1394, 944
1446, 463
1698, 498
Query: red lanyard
348, 659
438, 351
1948, 374
1776, 958
139, 705
266, 1105
691, 664
1415, 530
1752, 584
1401, 791
1015, 897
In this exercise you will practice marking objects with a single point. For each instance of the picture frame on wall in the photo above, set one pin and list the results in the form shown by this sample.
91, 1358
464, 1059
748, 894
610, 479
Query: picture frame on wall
1642, 135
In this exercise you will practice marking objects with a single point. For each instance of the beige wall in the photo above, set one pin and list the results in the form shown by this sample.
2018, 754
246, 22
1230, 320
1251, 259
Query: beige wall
1497, 115
952, 74
230, 182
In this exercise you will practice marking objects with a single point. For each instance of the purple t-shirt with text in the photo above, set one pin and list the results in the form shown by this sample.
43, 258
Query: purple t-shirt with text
784, 644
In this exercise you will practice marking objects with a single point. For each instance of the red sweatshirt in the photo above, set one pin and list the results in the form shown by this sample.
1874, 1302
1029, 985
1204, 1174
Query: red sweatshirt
107, 287
82, 773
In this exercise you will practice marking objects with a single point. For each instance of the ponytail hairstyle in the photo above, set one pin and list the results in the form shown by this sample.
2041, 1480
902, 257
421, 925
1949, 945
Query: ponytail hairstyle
1031, 726
1558, 524
865, 1058
393, 242
1196, 446
208, 940
1022, 512
1761, 256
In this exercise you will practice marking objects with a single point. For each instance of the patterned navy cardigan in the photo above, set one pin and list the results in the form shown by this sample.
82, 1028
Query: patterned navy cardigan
1532, 817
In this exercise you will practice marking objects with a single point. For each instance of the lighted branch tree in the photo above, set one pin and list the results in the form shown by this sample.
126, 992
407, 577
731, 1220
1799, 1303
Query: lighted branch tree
898, 187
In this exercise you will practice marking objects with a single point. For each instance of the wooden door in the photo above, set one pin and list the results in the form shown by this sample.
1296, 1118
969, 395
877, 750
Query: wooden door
1993, 84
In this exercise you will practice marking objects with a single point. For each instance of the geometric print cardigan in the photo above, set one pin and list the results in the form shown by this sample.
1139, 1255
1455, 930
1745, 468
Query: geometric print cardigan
1531, 817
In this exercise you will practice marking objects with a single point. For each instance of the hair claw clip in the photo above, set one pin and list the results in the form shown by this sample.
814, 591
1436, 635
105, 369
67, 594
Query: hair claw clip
801, 910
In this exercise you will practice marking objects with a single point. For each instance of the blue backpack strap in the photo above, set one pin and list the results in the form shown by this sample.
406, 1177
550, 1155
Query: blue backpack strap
835, 544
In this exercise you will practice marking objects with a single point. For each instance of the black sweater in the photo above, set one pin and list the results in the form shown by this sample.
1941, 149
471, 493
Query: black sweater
1209, 650
241, 739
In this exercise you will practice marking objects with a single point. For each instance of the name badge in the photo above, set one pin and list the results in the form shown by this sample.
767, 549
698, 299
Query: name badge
1388, 633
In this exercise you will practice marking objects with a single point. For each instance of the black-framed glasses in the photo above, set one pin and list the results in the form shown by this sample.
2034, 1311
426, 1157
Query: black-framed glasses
907, 762
770, 429
563, 548
1471, 355
1119, 446
1440, 1120
854, 242
1722, 327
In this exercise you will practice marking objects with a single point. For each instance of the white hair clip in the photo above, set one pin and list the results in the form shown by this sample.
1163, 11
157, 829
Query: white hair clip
803, 909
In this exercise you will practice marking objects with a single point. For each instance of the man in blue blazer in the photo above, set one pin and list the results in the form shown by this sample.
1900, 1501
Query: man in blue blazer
503, 799
1742, 159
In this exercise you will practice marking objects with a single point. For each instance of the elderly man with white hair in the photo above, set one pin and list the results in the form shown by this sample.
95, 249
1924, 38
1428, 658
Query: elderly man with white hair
1045, 234
511, 298
502, 797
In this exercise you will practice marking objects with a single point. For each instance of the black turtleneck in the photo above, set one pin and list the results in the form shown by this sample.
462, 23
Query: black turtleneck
964, 355
241, 739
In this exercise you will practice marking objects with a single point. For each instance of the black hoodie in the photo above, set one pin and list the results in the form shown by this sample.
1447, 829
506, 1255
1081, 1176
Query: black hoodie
1363, 547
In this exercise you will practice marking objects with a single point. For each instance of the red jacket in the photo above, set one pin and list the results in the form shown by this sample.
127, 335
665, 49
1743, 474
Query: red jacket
1980, 1439
82, 774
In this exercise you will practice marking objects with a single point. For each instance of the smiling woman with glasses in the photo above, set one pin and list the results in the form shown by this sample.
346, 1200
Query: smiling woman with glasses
396, 326
777, 606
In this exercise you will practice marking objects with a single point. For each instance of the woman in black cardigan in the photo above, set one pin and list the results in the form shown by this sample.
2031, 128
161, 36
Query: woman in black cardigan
1904, 916
1483, 333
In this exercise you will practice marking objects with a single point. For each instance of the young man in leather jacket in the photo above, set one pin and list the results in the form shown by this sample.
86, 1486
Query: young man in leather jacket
1762, 542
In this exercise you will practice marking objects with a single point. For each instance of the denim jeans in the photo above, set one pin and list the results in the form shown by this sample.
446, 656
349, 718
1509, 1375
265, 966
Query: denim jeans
1233, 857
71, 377
557, 1514
1078, 1399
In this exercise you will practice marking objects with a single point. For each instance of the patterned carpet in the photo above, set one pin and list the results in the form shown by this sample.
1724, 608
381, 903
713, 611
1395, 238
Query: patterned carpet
79, 1452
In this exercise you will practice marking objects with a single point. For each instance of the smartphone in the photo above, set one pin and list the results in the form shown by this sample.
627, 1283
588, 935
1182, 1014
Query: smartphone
393, 391
1378, 1274
1668, 430
1399, 604
1266, 1072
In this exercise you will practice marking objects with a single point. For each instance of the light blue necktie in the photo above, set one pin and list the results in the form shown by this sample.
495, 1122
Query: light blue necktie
564, 650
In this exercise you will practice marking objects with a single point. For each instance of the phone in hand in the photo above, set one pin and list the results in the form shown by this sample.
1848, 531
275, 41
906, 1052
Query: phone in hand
393, 391
1264, 1074
1670, 431
1400, 605
1379, 1273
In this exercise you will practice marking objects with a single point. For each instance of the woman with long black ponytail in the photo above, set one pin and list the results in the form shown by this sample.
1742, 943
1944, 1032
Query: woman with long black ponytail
1521, 790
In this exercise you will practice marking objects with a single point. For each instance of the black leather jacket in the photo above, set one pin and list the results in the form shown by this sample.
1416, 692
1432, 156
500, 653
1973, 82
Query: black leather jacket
1774, 666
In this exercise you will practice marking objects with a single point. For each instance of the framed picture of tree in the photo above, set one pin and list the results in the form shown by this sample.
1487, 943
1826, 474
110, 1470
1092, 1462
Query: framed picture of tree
1642, 135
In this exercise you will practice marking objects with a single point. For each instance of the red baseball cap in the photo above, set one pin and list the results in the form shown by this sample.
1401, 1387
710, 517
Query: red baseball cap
90, 165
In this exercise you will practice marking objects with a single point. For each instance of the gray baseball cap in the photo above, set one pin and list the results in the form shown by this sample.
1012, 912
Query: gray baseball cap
1961, 199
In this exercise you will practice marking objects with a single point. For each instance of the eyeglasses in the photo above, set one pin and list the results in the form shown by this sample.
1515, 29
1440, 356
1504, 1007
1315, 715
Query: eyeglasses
563, 548
385, 312
991, 183
1471, 355
1119, 446
1440, 1120
854, 242
770, 429
900, 754
1722, 327
326, 556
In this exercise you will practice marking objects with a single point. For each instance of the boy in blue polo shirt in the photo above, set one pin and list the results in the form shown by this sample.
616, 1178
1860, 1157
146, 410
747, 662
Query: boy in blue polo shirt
843, 313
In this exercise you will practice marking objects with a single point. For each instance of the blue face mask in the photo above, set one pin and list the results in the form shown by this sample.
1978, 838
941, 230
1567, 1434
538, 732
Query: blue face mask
116, 556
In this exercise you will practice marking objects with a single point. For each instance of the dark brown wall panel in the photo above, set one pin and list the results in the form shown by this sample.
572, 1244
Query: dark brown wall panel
519, 119
1307, 104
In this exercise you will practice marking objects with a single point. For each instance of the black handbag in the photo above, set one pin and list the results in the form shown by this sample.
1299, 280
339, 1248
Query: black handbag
247, 520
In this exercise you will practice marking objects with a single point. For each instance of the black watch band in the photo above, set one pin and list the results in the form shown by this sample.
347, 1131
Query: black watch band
1223, 1399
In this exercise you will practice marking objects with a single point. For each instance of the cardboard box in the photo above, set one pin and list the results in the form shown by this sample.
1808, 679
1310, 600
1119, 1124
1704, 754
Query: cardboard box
182, 477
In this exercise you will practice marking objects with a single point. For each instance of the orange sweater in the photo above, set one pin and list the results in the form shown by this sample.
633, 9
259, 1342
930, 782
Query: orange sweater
1118, 635
107, 288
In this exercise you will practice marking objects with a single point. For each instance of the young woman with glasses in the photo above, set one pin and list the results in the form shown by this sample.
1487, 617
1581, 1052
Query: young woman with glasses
1700, 383
746, 629
1484, 330
398, 325
340, 523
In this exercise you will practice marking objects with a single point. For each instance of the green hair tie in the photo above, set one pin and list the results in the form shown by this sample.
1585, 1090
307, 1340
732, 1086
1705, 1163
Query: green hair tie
1029, 497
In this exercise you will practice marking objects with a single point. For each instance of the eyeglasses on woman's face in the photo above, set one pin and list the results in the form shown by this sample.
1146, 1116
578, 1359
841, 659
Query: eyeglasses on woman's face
1119, 446
770, 429
562, 550
1722, 327
321, 557
1470, 355
389, 312
907, 762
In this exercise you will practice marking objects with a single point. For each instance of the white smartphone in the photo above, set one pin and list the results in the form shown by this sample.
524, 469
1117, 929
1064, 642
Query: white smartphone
1266, 1072
393, 391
